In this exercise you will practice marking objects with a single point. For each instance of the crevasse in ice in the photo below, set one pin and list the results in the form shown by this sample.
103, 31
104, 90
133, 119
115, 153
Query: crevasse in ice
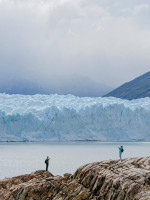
68, 118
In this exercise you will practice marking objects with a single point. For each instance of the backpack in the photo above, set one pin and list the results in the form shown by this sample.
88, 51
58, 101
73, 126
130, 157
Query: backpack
45, 161
122, 150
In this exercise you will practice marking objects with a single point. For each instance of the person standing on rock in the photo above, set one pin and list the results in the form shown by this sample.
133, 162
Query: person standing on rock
47, 162
120, 151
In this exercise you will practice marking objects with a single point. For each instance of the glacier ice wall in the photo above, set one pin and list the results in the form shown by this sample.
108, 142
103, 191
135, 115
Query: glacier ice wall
67, 118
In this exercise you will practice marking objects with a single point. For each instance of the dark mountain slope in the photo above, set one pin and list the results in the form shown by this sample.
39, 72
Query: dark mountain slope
137, 88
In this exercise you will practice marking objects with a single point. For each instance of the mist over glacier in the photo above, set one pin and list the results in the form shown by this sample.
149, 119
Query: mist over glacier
69, 118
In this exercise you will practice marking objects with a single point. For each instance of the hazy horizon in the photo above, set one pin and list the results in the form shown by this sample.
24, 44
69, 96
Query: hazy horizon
84, 47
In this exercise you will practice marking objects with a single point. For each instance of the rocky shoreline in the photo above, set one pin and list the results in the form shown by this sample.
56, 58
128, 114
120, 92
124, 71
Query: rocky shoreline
128, 179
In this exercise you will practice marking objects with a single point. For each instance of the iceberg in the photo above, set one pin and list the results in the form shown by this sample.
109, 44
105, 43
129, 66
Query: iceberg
70, 118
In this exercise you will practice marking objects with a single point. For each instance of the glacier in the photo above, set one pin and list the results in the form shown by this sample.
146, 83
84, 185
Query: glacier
70, 118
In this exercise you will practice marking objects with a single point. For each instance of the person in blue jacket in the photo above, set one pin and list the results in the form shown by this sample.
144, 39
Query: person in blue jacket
120, 151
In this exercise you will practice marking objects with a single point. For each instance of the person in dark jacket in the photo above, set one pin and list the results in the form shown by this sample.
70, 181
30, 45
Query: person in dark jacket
47, 162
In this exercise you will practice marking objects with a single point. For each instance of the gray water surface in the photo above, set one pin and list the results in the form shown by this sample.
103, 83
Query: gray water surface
21, 158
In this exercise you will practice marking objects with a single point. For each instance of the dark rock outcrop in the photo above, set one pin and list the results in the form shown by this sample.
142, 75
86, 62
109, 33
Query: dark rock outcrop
128, 179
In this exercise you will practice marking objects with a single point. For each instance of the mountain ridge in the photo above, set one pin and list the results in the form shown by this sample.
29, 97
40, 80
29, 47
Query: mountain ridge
134, 89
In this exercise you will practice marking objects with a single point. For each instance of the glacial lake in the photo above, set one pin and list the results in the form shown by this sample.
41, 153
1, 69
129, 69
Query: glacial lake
20, 158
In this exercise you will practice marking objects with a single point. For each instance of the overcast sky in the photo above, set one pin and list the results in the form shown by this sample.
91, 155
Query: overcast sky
48, 41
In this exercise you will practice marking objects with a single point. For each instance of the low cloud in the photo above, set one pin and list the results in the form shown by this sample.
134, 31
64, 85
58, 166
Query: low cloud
48, 42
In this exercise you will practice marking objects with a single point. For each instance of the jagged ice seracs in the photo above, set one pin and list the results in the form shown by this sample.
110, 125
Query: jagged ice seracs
70, 118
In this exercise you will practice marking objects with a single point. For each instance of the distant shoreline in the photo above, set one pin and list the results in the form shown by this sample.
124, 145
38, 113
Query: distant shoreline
74, 141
